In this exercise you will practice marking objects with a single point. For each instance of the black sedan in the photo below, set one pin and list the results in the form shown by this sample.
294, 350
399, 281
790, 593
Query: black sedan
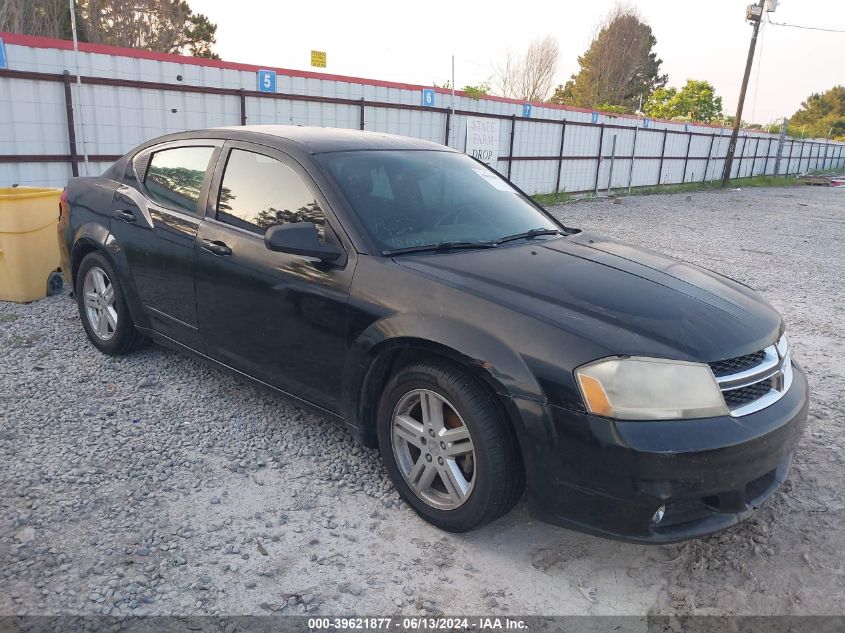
410, 292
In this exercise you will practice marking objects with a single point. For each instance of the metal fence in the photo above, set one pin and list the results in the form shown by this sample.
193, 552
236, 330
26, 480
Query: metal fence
128, 96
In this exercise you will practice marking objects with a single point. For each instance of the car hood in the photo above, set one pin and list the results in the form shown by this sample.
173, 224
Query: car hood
626, 299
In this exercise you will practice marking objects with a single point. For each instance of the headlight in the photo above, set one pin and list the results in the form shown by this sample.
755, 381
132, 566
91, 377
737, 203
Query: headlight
639, 388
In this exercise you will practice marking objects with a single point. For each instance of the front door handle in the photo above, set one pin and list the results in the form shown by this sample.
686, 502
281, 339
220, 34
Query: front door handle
126, 216
216, 247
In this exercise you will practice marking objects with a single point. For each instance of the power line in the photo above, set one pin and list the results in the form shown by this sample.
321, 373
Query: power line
808, 28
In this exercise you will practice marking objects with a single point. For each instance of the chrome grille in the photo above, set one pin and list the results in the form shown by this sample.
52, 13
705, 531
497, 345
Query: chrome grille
752, 382
745, 395
740, 363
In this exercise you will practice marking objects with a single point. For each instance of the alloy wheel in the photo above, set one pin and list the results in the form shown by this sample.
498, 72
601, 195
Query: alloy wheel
98, 291
433, 449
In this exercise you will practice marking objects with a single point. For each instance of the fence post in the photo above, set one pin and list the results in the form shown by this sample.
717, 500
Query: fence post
633, 157
741, 154
709, 153
598, 159
686, 158
801, 157
768, 153
754, 160
612, 159
448, 124
781, 141
362, 114
560, 155
510, 150
243, 106
662, 153
788, 160
71, 129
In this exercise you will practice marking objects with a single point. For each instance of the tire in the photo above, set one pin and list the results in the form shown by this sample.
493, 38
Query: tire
116, 334
485, 471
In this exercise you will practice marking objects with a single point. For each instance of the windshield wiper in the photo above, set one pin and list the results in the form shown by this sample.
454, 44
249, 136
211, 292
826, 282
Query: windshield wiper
528, 235
439, 246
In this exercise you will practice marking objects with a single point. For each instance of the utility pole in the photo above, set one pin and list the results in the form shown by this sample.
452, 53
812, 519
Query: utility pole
72, 5
452, 102
754, 14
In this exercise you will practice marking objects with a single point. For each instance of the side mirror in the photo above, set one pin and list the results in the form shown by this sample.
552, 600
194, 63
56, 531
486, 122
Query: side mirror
300, 238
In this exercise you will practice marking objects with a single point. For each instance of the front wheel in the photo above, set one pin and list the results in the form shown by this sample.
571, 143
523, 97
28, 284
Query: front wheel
448, 447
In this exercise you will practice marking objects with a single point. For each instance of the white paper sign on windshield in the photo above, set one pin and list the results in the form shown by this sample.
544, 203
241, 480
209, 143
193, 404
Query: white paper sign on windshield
492, 179
483, 140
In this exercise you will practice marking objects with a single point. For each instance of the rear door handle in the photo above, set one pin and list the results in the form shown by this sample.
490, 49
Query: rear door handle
126, 216
216, 247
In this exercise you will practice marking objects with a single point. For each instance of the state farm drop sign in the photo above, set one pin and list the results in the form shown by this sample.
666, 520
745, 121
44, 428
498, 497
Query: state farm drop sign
483, 140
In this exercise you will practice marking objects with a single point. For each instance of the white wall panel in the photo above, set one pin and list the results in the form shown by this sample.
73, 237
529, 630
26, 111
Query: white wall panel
112, 119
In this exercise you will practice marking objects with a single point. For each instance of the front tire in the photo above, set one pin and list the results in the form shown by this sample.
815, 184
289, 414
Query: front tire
448, 447
102, 308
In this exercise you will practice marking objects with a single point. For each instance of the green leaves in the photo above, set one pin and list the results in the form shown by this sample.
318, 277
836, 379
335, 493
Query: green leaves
821, 114
618, 69
696, 101
167, 26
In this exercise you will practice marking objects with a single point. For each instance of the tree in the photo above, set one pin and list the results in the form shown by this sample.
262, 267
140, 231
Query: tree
619, 68
167, 26
529, 77
475, 92
822, 114
47, 18
696, 101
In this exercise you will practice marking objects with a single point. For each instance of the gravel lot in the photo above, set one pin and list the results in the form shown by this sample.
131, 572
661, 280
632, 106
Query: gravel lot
155, 484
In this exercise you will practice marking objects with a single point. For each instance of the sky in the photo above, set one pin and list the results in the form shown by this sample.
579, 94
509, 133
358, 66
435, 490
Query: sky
413, 42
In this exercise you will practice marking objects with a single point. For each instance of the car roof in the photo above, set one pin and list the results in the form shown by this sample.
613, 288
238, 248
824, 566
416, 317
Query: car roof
317, 140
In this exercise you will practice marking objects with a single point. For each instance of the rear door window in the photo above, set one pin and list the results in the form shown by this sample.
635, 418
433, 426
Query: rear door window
174, 177
258, 192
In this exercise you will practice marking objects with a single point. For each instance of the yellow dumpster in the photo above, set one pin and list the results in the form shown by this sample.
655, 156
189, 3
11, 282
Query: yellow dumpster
29, 248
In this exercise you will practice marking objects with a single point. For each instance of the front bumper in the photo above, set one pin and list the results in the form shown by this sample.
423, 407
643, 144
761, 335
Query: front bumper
609, 477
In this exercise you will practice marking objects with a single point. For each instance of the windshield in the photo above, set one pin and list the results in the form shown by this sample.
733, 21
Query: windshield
409, 199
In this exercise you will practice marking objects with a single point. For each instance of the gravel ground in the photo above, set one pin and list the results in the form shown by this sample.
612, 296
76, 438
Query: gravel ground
155, 484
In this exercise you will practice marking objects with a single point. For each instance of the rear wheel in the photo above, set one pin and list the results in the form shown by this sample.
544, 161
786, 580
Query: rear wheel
448, 448
102, 308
